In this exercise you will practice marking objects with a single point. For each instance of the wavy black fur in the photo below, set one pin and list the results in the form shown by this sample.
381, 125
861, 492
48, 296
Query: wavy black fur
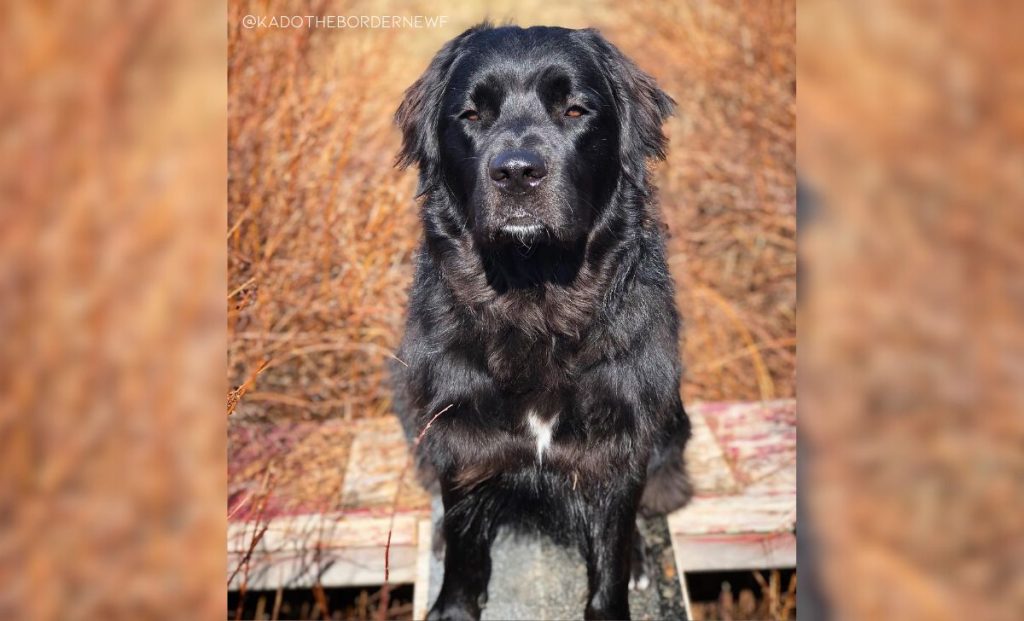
575, 326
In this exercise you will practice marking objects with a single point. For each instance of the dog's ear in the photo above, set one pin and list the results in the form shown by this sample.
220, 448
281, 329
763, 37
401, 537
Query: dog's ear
641, 105
417, 116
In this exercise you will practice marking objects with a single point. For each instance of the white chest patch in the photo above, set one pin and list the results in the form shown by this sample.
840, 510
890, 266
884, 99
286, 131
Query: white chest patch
542, 432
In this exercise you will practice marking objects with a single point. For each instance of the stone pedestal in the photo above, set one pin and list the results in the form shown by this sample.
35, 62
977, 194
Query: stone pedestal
533, 578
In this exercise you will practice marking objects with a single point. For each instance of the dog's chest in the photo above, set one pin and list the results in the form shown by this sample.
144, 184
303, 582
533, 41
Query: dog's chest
517, 363
541, 431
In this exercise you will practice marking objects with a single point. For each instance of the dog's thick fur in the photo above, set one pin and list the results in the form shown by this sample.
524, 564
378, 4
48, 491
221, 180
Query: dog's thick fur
554, 345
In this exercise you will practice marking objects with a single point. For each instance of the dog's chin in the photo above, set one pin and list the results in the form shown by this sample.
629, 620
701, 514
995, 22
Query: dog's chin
519, 229
526, 234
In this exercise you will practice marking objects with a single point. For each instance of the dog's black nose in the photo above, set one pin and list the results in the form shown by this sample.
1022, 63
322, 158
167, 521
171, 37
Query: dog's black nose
517, 171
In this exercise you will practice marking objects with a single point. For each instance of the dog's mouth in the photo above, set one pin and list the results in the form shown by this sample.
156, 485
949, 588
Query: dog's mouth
520, 228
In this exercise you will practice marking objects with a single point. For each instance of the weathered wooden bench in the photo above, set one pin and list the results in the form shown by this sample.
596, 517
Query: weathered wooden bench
315, 502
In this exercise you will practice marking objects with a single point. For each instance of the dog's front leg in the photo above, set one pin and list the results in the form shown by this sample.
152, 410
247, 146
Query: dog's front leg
469, 532
609, 549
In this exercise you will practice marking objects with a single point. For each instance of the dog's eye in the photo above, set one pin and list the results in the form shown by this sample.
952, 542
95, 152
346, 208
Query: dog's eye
575, 112
470, 115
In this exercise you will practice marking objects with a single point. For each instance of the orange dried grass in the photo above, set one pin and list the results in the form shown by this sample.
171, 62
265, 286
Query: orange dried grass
323, 228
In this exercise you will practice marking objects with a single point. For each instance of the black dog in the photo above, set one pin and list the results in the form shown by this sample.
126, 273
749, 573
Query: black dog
541, 320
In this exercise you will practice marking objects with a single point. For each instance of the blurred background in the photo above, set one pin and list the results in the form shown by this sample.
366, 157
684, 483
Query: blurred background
112, 268
112, 272
910, 141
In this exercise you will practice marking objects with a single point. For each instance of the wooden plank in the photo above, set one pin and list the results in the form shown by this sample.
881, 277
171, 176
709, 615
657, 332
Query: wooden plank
329, 531
709, 471
758, 440
687, 605
736, 514
422, 587
344, 550
733, 552
742, 460
336, 568
377, 459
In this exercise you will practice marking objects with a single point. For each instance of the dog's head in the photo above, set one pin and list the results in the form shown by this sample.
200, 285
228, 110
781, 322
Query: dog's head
531, 130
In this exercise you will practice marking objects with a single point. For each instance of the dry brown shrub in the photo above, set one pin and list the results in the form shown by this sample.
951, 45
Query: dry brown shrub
323, 228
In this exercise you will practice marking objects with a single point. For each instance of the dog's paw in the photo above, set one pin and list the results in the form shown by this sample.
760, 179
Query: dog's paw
457, 607
667, 489
452, 613
613, 613
638, 579
639, 583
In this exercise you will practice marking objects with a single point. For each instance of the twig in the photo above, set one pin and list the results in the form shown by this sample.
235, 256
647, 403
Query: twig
241, 504
257, 534
321, 599
385, 590
236, 395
